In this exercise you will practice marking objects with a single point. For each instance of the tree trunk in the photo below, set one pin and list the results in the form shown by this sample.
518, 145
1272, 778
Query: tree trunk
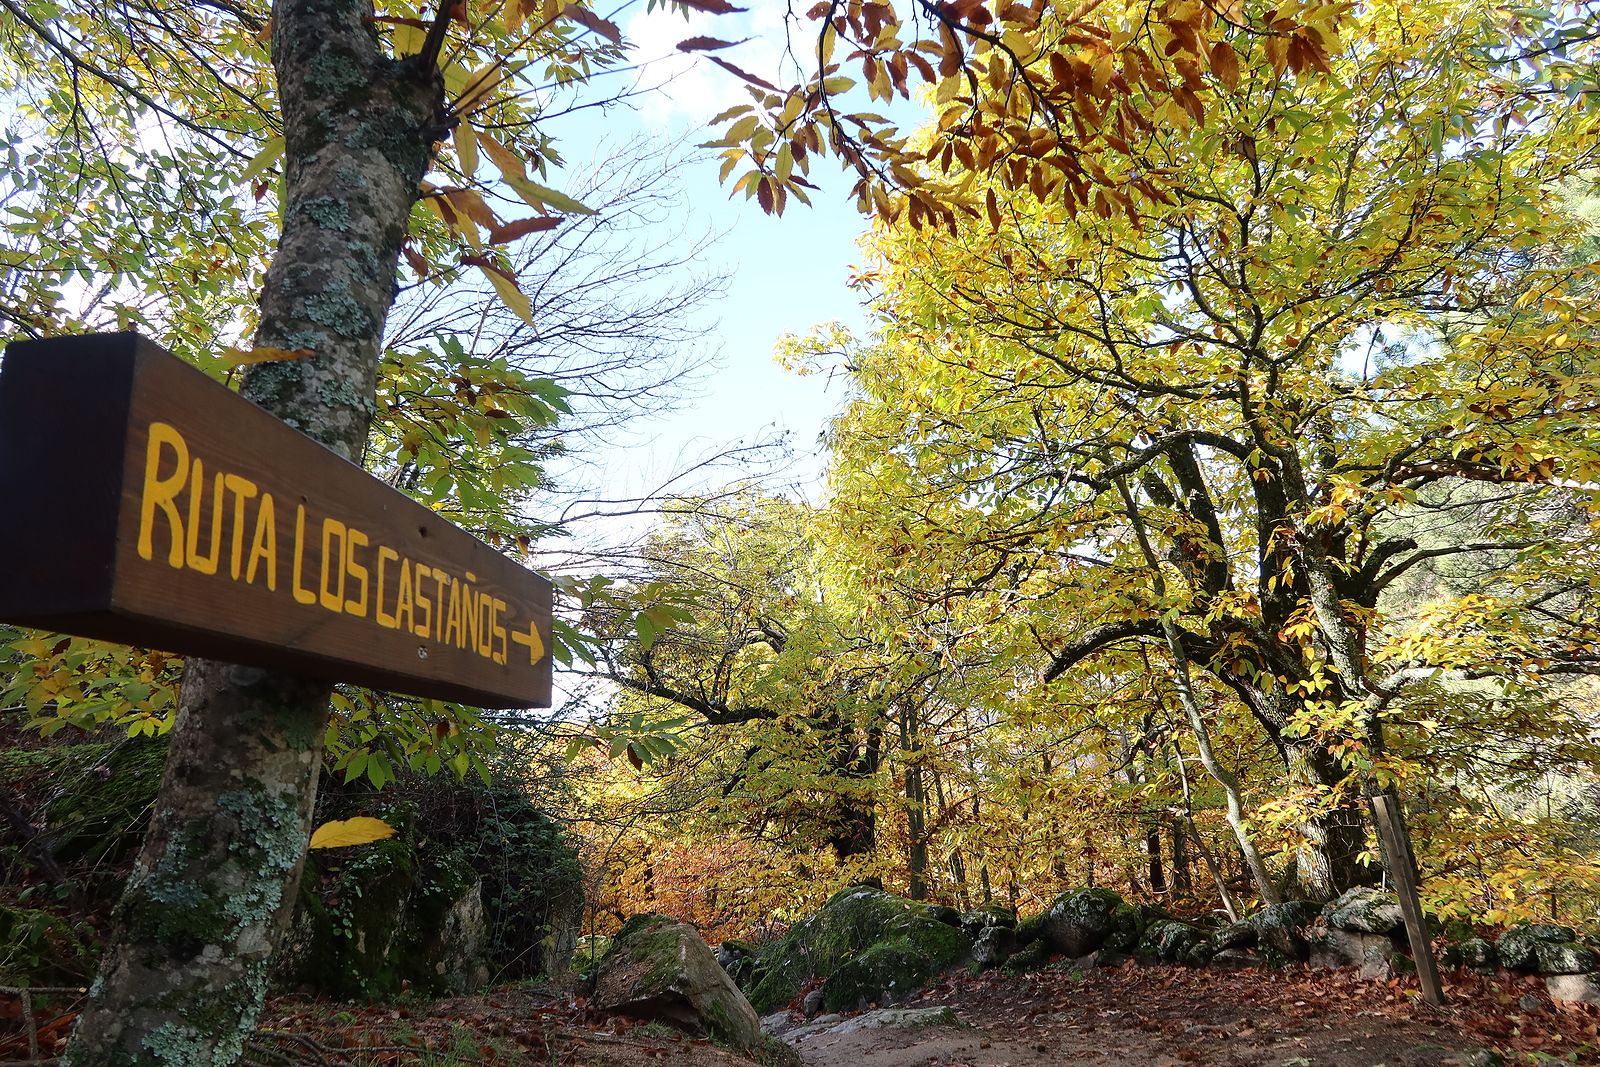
1328, 860
854, 824
185, 971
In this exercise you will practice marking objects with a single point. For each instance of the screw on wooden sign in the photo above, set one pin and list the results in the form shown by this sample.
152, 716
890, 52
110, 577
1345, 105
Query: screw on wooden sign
177, 515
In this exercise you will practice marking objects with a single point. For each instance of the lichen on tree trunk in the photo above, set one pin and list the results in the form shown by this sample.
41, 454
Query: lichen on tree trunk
184, 975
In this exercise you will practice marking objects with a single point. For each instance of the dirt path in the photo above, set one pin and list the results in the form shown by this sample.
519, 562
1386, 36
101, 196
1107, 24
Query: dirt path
1165, 1017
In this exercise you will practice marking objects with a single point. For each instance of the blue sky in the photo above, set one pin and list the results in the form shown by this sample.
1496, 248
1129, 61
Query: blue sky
785, 274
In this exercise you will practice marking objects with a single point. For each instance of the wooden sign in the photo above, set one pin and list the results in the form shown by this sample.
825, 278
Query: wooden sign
147, 504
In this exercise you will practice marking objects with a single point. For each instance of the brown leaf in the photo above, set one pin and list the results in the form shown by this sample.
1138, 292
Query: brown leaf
744, 74
604, 27
705, 44
510, 231
712, 7
483, 263
1225, 64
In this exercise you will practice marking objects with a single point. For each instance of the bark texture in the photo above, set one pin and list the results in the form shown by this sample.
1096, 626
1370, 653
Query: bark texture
184, 975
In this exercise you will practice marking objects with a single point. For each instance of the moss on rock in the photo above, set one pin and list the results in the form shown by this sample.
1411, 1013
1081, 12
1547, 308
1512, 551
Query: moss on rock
1087, 920
904, 945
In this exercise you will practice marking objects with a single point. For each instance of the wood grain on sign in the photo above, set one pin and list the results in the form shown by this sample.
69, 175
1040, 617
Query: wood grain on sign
152, 506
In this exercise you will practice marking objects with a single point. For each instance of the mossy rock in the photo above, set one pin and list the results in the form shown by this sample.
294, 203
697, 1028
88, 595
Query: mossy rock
1366, 910
1170, 941
660, 970
989, 915
92, 802
912, 945
1275, 931
1088, 920
1031, 957
477, 885
1526, 946
1474, 952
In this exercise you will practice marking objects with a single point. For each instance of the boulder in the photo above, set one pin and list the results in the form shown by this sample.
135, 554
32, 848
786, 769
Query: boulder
660, 970
1276, 930
1031, 957
476, 883
1365, 910
1170, 941
994, 946
1086, 920
737, 958
990, 915
867, 945
881, 1019
1474, 952
1332, 947
1545, 948
1574, 988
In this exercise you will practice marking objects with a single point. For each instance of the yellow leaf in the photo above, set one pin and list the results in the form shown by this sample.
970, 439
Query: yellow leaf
270, 153
466, 148
408, 39
343, 832
240, 357
515, 174
510, 295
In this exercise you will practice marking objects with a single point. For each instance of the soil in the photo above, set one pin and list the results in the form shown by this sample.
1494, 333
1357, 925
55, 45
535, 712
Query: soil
1113, 1017
1153, 1018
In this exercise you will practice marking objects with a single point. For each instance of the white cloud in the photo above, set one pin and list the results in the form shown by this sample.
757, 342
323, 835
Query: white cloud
690, 88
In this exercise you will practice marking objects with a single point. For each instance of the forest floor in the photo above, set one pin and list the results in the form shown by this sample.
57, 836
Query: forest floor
1169, 1016
1116, 1017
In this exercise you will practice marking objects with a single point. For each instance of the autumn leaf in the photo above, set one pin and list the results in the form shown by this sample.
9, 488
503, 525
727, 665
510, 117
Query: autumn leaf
604, 27
705, 44
505, 284
341, 833
1225, 64
744, 75
514, 172
712, 7
510, 231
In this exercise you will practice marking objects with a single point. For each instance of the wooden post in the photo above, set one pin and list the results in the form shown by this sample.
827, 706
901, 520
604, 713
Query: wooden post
1402, 863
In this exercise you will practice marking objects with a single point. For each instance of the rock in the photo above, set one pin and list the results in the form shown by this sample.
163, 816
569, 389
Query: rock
1275, 929
476, 881
1365, 910
988, 916
454, 947
811, 1003
1487, 1057
1031, 957
881, 1019
1574, 988
1331, 947
1079, 922
1170, 941
994, 946
1569, 958
866, 944
738, 958
945, 914
775, 1022
658, 969
1545, 948
1473, 952
1235, 959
